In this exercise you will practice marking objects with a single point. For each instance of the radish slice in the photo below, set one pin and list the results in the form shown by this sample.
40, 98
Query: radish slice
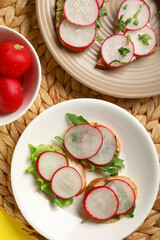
136, 10
125, 193
66, 182
113, 47
48, 162
100, 3
101, 203
108, 148
81, 13
144, 40
83, 141
76, 36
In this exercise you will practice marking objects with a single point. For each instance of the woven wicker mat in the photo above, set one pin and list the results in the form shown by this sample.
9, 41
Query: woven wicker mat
57, 86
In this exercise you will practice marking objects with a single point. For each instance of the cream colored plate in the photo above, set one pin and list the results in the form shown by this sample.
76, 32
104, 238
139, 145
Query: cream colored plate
140, 78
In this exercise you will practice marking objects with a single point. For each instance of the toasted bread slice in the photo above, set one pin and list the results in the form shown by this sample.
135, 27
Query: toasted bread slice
101, 182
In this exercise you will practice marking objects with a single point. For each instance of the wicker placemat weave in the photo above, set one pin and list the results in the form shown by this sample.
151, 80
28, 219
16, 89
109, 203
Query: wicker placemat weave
58, 86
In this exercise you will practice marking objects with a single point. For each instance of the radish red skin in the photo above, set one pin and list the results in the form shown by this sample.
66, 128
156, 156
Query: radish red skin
37, 162
88, 213
11, 94
122, 64
74, 194
15, 59
142, 2
132, 190
64, 12
88, 156
74, 47
137, 55
102, 143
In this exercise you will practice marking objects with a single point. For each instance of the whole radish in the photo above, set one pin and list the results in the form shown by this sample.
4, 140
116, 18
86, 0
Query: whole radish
11, 94
15, 59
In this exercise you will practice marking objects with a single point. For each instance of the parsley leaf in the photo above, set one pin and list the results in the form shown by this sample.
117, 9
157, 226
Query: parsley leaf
128, 39
97, 38
77, 119
102, 13
121, 63
144, 38
138, 12
123, 51
123, 24
125, 7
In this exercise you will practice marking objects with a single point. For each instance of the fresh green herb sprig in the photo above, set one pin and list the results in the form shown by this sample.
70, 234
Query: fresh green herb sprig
102, 13
98, 39
128, 39
123, 24
123, 51
145, 38
117, 61
125, 7
135, 16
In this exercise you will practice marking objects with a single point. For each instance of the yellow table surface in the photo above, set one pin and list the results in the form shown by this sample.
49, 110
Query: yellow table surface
10, 228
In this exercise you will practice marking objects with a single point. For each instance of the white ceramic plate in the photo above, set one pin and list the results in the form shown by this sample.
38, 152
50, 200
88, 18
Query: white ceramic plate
137, 79
141, 165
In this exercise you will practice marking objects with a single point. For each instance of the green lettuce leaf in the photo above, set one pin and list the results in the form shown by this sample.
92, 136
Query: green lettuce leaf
63, 202
44, 185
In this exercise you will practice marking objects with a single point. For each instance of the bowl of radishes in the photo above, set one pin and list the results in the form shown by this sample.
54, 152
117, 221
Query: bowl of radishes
20, 75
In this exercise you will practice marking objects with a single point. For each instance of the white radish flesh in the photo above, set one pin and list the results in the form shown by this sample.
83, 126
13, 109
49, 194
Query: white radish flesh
100, 3
66, 182
83, 141
75, 164
48, 162
139, 38
108, 148
136, 10
76, 36
110, 50
81, 12
125, 193
100, 203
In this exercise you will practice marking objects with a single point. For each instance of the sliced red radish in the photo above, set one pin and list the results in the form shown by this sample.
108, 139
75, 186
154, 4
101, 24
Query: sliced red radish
144, 40
134, 14
108, 148
83, 141
48, 162
76, 36
100, 3
117, 51
66, 182
81, 12
101, 203
125, 193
